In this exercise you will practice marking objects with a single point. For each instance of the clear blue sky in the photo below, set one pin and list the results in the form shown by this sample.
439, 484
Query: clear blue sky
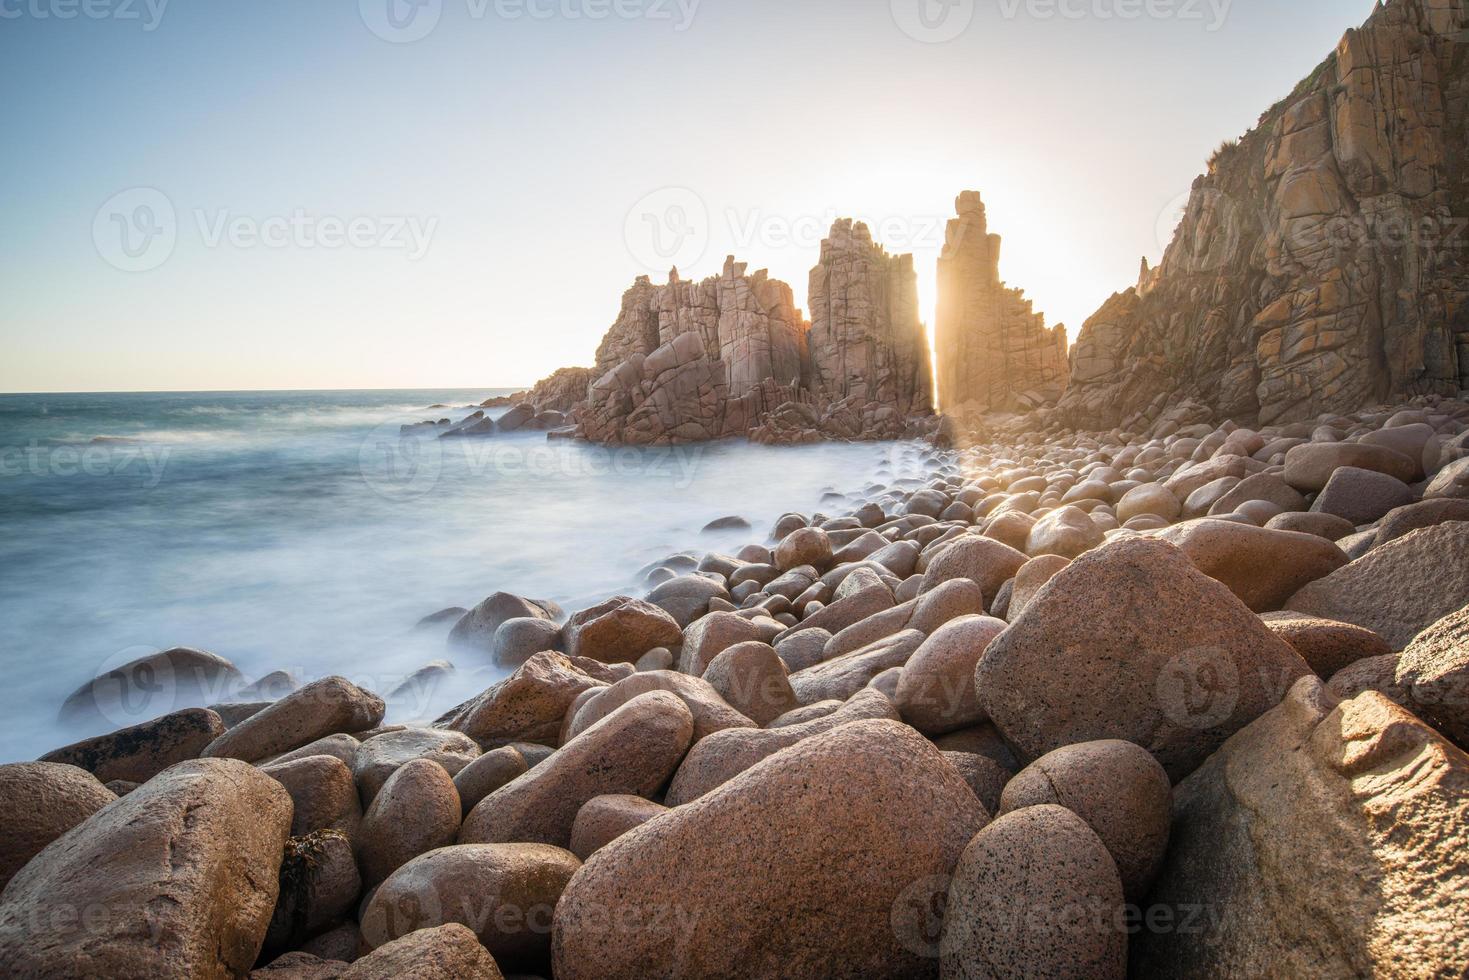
494, 167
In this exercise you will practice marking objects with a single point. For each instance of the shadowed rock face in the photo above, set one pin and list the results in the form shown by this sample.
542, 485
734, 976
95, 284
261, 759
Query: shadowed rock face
1321, 263
995, 353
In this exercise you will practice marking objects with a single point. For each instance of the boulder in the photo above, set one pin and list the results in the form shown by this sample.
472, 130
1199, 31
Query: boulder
1309, 468
1031, 578
488, 773
839, 679
475, 631
323, 795
1451, 483
1262, 486
1327, 646
450, 952
517, 640
936, 692
139, 753
620, 630
319, 886
1151, 499
634, 750
804, 546
875, 789
1121, 792
1327, 526
954, 599
1434, 673
529, 705
329, 706
803, 648
1399, 589
710, 711
40, 801
505, 893
983, 775
603, 819
1034, 894
1362, 496
1264, 568
722, 757
686, 598
180, 877
1133, 642
154, 685
1066, 531
707, 638
1369, 837
416, 811
1414, 517
380, 757
340, 746
984, 561
750, 678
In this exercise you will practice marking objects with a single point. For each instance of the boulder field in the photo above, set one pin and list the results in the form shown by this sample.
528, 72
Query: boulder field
1190, 701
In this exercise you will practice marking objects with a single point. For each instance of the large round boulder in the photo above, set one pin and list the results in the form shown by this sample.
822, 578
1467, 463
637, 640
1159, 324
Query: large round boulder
40, 801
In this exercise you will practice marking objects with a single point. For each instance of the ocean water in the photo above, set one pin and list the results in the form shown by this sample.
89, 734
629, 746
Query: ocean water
299, 531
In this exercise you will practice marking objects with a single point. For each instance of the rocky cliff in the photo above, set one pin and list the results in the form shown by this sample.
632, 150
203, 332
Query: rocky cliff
1320, 264
995, 353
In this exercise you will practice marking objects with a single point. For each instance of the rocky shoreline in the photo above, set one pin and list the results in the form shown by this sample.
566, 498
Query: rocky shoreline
1189, 701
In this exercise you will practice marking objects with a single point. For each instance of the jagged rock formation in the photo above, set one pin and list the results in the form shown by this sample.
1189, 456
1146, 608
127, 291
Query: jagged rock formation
866, 338
1321, 263
732, 356
995, 353
563, 391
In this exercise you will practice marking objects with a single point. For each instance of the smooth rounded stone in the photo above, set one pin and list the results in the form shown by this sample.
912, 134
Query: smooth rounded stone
721, 757
1373, 674
634, 750
40, 801
792, 584
1398, 589
658, 659
1151, 499
1067, 532
710, 636
1029, 581
272, 687
1265, 487
687, 597
1263, 568
1327, 526
1195, 476
154, 685
1098, 490
805, 713
928, 503
299, 965
952, 600
1329, 647
843, 612
1202, 500
620, 630
528, 706
505, 893
340, 746
1419, 442
450, 952
875, 789
984, 561
476, 629
440, 619
1309, 468
1199, 664
1414, 517
1121, 792
1451, 483
341, 944
416, 811
329, 706
1047, 860
1354, 811
517, 640
1362, 496
840, 678
603, 819
1434, 671
710, 711
234, 712
855, 581
803, 648
859, 549
1011, 529
139, 753
323, 794
1256, 512
936, 693
804, 546
320, 886
875, 627
488, 773
983, 775
887, 682
181, 876
751, 678
380, 757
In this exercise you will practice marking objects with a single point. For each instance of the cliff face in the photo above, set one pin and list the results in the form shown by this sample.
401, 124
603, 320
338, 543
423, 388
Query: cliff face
1321, 264
867, 341
995, 353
